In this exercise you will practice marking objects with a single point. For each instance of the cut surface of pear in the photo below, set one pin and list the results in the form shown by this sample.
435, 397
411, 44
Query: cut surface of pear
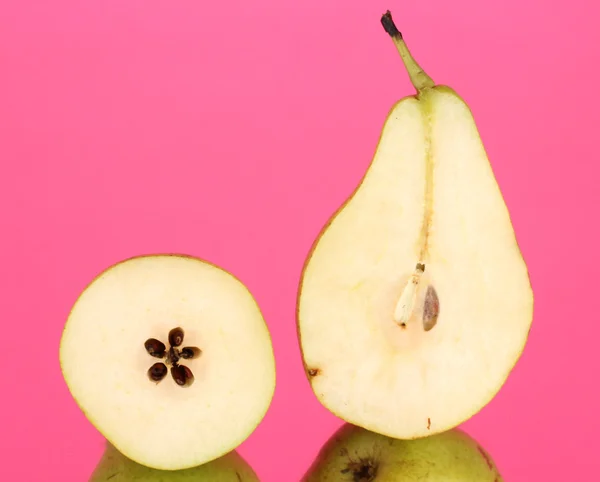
415, 302
115, 467
204, 331
354, 454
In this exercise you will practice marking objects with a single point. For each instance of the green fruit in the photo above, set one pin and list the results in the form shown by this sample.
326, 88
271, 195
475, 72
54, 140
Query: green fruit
415, 302
354, 454
169, 357
115, 467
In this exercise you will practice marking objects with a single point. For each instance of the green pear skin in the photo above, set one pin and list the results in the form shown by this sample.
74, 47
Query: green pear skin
115, 467
354, 454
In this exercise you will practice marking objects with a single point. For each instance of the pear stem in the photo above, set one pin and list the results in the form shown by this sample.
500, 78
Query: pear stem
420, 80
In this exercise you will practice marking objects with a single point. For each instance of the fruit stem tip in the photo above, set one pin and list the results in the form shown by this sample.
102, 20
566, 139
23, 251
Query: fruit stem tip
389, 26
417, 75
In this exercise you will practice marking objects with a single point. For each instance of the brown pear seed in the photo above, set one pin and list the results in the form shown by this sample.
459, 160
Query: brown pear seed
155, 347
189, 376
157, 372
431, 309
190, 352
176, 336
182, 375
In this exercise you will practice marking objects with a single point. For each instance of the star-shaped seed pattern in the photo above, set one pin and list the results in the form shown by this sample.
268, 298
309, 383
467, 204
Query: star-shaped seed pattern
182, 375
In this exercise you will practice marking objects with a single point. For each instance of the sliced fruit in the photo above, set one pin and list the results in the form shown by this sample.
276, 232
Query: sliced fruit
170, 359
415, 301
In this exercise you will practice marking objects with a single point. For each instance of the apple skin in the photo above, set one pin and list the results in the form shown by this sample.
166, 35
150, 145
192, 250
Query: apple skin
354, 454
115, 467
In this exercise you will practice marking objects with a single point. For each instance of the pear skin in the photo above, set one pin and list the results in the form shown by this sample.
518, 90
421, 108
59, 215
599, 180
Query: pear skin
354, 454
115, 467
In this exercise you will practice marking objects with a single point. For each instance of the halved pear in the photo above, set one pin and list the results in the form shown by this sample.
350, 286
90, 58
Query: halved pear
353, 454
169, 357
415, 301
115, 467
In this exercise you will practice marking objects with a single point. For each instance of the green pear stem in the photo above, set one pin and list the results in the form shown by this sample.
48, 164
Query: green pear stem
418, 77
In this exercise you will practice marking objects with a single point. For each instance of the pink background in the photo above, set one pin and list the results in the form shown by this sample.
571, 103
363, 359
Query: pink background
232, 131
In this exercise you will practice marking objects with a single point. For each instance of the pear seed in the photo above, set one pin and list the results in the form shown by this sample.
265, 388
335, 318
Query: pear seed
157, 372
431, 309
176, 336
182, 375
155, 348
189, 376
190, 352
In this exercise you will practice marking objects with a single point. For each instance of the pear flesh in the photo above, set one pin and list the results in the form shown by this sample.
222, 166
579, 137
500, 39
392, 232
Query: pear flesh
415, 301
106, 363
115, 467
354, 454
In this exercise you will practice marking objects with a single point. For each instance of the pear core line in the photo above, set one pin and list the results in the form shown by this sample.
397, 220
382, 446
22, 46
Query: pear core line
422, 82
